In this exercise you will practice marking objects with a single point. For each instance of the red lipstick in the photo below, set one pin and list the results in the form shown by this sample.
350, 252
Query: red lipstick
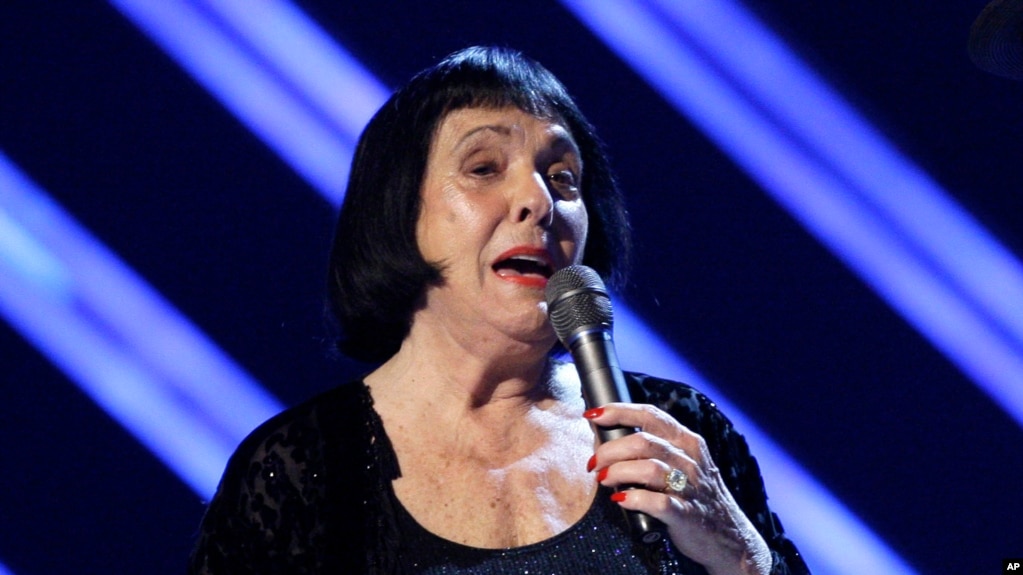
525, 265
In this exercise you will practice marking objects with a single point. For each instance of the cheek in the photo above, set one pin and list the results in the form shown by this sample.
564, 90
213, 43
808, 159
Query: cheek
450, 224
575, 225
430, 232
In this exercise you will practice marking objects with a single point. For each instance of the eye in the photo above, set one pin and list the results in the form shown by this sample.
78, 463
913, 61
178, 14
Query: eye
565, 182
484, 169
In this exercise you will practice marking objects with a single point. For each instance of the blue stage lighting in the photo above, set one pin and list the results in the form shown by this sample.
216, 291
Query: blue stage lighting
112, 334
872, 207
285, 109
832, 539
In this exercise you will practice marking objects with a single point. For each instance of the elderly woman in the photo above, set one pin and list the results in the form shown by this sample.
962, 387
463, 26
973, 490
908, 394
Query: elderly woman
468, 448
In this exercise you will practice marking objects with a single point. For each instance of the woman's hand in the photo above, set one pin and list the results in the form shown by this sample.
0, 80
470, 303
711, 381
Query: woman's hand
703, 519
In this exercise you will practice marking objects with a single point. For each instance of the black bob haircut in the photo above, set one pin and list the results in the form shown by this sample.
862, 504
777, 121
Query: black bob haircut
376, 274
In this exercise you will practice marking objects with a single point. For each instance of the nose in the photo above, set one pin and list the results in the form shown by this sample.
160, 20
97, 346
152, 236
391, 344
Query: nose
533, 201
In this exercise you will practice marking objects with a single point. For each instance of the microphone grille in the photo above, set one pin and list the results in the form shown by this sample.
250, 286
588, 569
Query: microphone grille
576, 298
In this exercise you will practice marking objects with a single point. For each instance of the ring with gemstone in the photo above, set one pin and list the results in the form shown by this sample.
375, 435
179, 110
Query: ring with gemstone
675, 481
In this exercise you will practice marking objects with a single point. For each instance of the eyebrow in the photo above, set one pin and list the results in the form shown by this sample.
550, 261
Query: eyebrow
561, 140
498, 128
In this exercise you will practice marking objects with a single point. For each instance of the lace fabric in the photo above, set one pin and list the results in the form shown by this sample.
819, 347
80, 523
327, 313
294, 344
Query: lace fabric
309, 491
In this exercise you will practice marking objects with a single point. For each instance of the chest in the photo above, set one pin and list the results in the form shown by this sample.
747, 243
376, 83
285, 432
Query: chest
494, 502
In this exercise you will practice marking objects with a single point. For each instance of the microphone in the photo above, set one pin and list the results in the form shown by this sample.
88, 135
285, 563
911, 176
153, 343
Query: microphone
579, 308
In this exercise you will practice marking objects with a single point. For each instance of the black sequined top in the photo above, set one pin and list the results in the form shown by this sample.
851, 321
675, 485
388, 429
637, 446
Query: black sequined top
600, 541
309, 492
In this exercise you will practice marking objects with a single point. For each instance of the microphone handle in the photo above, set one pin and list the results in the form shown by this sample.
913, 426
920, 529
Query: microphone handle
603, 382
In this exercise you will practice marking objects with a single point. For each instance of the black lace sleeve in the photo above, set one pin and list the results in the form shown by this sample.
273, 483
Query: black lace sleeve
266, 516
732, 456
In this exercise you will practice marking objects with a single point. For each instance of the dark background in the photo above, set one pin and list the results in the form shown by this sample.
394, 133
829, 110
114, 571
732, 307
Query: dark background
157, 169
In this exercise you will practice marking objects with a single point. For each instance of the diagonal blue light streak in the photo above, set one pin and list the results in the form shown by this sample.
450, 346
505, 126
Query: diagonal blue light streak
896, 189
118, 340
930, 261
801, 499
268, 106
305, 57
831, 538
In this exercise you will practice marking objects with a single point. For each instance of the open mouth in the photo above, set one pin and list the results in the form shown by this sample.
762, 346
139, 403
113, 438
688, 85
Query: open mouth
526, 266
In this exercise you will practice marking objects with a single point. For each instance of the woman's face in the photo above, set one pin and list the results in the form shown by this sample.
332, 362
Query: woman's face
501, 211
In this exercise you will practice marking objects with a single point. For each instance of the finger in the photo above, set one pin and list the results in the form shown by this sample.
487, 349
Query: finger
637, 446
645, 473
646, 418
660, 506
616, 467
702, 530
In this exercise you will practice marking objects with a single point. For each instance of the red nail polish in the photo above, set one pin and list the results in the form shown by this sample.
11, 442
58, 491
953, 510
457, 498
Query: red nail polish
593, 413
618, 497
602, 475
591, 464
